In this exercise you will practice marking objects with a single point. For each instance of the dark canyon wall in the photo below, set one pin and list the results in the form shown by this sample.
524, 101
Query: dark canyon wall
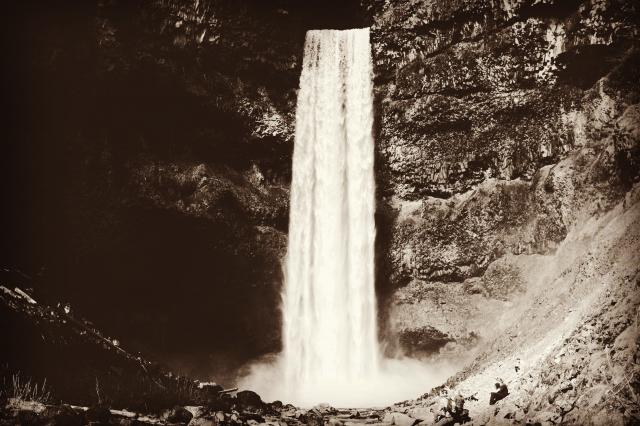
149, 159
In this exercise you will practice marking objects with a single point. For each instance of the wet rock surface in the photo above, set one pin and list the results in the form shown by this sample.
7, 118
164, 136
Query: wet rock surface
470, 91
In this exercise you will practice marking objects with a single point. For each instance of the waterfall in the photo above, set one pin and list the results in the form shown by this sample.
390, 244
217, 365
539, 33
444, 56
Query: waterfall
329, 304
330, 346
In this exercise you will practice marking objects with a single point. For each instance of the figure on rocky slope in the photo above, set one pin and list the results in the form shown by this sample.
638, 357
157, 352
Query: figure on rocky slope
453, 412
500, 393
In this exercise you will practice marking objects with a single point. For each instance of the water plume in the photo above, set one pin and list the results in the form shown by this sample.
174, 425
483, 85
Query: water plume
330, 345
329, 297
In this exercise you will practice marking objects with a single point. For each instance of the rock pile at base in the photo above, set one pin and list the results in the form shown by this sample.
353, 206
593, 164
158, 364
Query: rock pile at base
243, 408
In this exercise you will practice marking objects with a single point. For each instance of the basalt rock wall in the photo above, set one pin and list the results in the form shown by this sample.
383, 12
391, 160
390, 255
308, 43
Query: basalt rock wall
479, 104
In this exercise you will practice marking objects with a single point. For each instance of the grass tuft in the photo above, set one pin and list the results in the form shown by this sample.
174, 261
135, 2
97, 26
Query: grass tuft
25, 390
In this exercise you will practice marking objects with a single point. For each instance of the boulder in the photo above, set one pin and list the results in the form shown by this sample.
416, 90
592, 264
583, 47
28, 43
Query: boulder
253, 417
98, 414
211, 392
16, 404
325, 409
288, 410
422, 413
249, 400
64, 415
276, 406
203, 421
27, 417
177, 414
399, 419
312, 418
224, 402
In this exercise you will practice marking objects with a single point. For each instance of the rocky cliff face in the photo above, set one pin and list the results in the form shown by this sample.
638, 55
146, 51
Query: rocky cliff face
508, 148
499, 126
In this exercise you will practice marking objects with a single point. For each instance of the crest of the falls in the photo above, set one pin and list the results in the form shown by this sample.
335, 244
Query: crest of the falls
329, 304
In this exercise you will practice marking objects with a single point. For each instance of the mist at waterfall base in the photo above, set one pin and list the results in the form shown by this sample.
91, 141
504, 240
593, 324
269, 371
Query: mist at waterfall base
396, 380
330, 346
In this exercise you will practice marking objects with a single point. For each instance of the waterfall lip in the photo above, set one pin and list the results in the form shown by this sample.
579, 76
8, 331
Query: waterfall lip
339, 30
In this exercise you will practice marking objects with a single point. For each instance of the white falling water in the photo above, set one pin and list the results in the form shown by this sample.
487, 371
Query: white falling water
330, 333
330, 346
